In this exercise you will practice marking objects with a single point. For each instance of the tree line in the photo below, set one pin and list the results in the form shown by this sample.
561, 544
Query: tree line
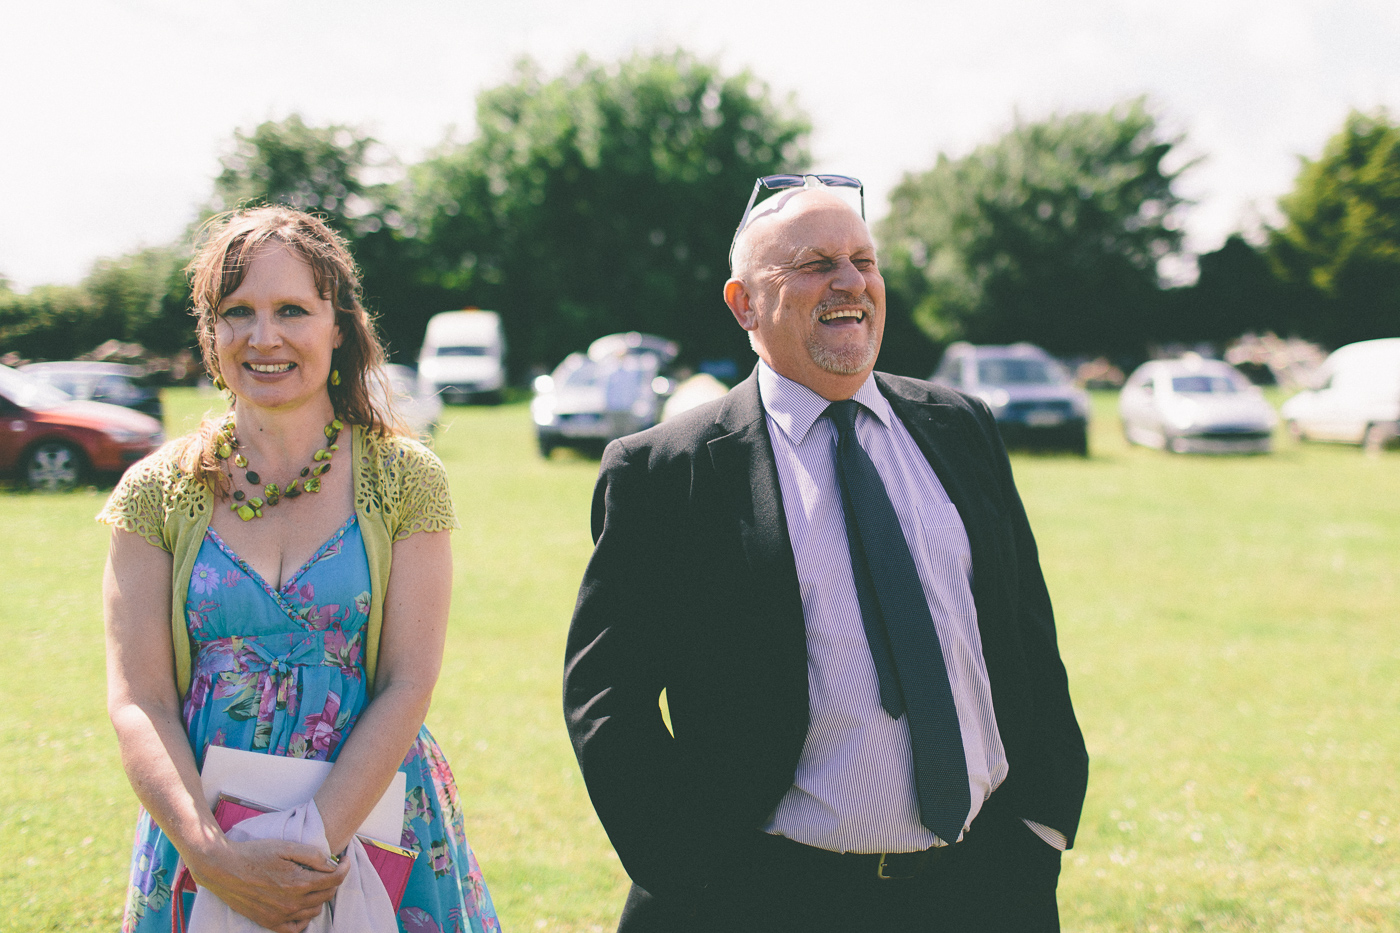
604, 198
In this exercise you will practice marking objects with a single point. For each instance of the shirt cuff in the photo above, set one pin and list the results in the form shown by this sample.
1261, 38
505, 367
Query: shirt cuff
1052, 837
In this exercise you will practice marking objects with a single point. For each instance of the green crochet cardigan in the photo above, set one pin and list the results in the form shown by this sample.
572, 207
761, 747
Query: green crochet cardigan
400, 488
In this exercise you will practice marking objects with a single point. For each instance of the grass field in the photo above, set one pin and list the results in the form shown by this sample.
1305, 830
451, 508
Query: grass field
1229, 624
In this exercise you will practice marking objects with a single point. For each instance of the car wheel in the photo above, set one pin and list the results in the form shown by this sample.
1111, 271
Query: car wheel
1175, 444
1377, 436
547, 445
1079, 443
53, 466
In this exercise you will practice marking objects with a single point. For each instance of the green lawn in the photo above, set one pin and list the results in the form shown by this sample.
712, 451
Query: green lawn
1229, 625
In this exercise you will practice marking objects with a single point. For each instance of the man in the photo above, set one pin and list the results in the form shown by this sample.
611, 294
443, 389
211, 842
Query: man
750, 560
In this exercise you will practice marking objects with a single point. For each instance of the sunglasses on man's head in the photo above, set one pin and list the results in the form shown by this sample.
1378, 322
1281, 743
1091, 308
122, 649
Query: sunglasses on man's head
775, 182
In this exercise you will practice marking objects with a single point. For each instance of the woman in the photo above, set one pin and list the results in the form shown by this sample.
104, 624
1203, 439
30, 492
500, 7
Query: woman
278, 582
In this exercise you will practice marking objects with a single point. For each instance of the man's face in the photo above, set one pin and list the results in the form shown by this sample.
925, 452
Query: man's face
811, 294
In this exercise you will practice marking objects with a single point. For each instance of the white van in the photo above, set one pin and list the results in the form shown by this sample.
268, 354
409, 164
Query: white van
1357, 400
463, 356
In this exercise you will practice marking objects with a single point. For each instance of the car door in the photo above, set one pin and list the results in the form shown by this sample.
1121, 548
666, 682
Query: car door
16, 430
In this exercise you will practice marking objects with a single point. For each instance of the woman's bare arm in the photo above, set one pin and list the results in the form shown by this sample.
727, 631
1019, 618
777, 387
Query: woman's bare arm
411, 642
280, 885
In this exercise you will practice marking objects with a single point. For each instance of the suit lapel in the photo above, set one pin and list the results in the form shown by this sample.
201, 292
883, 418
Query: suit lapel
748, 478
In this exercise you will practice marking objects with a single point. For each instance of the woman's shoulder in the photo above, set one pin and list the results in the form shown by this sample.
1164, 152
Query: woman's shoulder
407, 481
397, 451
153, 489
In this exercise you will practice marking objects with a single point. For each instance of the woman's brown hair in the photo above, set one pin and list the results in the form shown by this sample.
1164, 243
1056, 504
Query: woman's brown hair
230, 242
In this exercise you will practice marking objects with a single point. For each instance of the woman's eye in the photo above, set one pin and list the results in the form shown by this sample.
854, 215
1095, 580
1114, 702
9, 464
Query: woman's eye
291, 310
237, 311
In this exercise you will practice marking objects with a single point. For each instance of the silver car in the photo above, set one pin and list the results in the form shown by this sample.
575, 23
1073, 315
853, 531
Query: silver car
1195, 405
616, 388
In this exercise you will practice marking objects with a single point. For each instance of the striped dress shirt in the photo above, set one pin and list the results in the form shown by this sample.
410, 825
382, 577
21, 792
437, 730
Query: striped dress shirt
853, 790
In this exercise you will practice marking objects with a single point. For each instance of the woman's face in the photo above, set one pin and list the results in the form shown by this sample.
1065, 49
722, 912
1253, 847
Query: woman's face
274, 334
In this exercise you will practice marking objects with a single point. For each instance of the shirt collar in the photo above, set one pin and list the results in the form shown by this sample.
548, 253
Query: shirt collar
794, 408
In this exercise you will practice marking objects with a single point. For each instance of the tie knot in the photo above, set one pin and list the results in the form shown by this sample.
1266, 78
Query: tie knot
843, 415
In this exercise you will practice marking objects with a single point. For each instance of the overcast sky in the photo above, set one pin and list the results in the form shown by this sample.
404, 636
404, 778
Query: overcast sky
115, 112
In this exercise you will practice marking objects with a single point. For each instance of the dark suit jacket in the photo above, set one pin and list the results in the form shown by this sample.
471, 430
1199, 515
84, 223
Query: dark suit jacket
692, 589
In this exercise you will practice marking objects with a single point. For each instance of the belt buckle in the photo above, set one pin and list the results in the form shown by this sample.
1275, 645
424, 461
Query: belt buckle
884, 867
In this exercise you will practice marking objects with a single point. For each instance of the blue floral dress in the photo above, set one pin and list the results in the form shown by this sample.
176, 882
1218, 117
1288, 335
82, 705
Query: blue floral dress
283, 672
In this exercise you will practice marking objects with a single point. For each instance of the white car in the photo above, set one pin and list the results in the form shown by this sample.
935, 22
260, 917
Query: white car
1357, 400
463, 356
1195, 405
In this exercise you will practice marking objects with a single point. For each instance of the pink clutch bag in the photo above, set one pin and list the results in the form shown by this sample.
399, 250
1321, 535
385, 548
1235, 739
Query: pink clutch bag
393, 863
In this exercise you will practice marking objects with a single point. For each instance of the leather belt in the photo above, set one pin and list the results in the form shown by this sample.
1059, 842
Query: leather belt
887, 866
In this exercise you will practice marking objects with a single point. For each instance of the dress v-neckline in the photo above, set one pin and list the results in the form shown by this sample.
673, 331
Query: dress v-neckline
289, 587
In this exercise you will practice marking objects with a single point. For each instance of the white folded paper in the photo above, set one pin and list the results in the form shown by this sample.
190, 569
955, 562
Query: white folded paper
284, 783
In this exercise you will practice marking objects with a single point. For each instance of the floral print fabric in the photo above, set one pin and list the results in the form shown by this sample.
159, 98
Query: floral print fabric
282, 671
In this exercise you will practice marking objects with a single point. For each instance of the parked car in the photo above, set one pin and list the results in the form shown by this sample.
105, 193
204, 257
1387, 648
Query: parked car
1033, 397
420, 410
1195, 405
692, 393
1357, 399
53, 441
616, 388
463, 356
113, 383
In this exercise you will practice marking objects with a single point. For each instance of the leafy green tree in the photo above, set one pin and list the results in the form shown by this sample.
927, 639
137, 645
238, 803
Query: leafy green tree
139, 298
143, 298
602, 200
1340, 242
51, 322
1051, 234
325, 170
331, 171
1236, 293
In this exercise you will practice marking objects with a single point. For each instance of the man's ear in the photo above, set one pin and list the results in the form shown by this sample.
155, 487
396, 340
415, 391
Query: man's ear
736, 295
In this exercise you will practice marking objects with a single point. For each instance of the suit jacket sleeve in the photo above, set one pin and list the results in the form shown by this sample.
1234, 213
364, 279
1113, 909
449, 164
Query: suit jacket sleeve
614, 677
1051, 756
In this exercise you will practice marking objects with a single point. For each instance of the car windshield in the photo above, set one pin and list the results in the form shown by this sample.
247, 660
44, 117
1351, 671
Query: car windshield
1204, 385
28, 392
65, 381
1017, 372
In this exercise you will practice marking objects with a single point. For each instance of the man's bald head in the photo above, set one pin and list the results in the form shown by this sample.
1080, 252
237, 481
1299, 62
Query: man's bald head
781, 207
807, 289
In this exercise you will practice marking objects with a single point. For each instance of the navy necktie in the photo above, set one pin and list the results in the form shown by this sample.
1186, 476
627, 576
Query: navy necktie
903, 641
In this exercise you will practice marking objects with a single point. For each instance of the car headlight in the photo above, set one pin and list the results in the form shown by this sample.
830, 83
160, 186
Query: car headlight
542, 410
1181, 416
123, 436
996, 398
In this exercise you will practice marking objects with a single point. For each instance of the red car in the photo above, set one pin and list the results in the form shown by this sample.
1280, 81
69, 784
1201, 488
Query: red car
54, 442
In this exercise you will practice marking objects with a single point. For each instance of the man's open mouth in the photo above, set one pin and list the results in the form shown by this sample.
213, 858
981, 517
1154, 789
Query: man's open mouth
840, 317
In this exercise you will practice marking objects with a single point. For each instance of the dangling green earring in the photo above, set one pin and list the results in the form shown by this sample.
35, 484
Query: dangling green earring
335, 377
219, 384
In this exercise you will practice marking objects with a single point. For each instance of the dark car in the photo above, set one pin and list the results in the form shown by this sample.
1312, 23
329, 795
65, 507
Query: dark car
113, 383
53, 441
1032, 396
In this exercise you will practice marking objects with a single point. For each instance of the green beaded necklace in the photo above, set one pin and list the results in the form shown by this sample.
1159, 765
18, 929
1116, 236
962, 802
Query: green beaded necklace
251, 507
